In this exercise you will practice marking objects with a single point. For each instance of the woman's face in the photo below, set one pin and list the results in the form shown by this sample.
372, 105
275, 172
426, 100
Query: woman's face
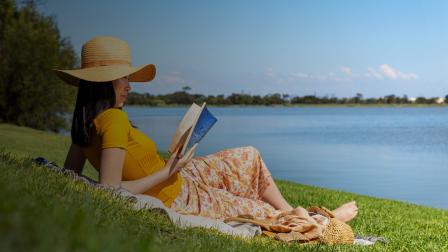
122, 88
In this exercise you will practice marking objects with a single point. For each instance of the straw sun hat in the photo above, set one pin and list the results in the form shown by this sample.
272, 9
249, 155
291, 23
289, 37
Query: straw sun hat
104, 59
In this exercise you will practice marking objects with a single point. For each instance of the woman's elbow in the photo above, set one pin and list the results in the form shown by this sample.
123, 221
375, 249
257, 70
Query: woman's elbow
120, 185
113, 184
129, 187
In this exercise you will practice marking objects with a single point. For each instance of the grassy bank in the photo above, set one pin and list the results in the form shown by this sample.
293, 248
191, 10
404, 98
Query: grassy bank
44, 211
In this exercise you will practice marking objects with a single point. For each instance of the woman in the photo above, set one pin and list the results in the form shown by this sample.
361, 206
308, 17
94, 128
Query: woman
224, 184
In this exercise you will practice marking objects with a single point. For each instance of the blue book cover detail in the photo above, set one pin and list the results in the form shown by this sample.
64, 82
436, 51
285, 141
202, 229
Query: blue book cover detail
205, 122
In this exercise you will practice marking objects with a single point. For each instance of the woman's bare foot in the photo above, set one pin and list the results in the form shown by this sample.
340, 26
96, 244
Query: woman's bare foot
346, 212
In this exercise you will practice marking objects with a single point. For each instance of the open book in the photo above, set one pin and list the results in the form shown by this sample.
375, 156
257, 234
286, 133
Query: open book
196, 122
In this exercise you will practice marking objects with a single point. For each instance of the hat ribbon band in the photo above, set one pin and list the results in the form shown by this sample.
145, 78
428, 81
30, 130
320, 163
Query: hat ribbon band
105, 63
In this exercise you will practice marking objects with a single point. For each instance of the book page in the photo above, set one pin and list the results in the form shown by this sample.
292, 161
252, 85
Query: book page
186, 123
193, 126
179, 147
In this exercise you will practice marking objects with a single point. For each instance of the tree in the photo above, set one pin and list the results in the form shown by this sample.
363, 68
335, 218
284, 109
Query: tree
180, 97
405, 99
358, 98
186, 88
390, 99
242, 99
30, 47
420, 100
271, 99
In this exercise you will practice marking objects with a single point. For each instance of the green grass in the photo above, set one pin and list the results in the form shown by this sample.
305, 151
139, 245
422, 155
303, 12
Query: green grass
44, 211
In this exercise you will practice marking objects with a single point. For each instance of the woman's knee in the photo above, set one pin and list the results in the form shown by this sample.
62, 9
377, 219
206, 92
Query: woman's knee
252, 149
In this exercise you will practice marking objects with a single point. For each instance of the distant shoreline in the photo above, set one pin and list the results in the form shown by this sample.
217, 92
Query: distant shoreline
304, 105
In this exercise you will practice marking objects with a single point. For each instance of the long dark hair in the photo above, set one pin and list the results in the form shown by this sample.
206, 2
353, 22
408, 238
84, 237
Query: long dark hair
93, 98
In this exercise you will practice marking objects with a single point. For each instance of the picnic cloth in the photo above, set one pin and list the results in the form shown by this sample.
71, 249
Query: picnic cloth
235, 227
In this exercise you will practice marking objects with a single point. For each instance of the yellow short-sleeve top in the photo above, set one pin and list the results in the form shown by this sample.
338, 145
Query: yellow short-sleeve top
112, 129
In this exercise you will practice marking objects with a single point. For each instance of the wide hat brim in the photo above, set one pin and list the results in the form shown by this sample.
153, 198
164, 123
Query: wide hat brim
144, 73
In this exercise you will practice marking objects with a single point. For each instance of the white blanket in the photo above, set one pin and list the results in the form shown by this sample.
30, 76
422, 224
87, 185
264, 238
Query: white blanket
245, 230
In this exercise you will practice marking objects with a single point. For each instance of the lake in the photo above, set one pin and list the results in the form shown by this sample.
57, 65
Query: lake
387, 152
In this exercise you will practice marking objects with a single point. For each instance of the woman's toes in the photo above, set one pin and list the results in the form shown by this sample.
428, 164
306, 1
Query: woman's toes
351, 203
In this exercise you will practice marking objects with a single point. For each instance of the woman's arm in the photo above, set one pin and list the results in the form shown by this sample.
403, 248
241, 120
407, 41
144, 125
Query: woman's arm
112, 160
75, 159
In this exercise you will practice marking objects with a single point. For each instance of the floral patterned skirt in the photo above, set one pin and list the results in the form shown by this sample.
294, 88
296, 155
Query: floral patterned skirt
225, 184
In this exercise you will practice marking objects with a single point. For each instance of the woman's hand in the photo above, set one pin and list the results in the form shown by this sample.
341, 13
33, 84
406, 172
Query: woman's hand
179, 161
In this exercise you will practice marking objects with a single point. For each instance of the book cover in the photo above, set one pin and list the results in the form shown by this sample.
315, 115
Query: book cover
198, 120
203, 125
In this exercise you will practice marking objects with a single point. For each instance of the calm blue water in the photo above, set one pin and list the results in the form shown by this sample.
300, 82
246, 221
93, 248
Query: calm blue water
396, 153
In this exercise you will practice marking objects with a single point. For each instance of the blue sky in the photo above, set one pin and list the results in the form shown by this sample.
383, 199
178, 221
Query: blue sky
317, 47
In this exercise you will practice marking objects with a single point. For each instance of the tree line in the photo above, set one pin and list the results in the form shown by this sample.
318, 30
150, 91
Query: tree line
185, 98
